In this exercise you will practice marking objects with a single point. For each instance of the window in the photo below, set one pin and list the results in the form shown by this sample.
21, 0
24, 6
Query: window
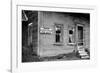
58, 33
71, 35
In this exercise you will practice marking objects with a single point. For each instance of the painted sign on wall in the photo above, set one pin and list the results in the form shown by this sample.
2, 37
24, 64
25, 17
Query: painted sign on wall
45, 30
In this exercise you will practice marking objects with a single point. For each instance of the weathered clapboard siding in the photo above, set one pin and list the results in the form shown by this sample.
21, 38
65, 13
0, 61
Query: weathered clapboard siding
47, 41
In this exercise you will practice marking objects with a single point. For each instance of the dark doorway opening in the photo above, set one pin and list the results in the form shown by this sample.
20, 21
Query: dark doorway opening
80, 35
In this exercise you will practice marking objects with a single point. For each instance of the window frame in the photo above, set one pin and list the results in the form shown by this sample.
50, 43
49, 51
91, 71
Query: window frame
61, 34
73, 35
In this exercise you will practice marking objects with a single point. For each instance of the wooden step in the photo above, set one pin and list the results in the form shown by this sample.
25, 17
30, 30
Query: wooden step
84, 57
83, 54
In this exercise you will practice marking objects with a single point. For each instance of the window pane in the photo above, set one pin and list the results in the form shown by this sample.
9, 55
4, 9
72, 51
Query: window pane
58, 33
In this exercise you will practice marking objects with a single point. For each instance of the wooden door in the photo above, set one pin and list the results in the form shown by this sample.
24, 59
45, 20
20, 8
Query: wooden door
79, 36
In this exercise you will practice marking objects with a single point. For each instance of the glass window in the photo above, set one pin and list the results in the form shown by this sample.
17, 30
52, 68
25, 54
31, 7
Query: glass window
58, 33
71, 35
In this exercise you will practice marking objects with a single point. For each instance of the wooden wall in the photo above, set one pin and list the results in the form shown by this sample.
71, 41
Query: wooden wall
47, 41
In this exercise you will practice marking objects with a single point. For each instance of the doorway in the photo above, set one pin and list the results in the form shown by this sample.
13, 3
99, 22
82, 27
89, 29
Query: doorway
79, 36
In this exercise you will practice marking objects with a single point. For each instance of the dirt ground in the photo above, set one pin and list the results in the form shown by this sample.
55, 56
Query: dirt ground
61, 57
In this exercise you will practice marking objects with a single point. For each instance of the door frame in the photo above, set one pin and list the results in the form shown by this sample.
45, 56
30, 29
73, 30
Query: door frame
79, 24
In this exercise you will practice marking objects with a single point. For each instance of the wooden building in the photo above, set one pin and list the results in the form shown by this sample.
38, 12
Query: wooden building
54, 33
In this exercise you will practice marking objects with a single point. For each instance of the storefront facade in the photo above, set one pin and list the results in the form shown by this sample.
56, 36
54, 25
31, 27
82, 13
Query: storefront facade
62, 33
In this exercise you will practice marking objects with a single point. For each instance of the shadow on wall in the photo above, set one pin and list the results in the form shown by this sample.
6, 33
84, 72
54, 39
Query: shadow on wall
29, 33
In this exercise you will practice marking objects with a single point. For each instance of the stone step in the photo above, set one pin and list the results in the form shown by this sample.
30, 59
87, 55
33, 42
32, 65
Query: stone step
84, 57
83, 54
80, 49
